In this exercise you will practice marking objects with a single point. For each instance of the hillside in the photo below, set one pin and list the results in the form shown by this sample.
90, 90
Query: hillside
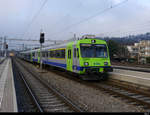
129, 40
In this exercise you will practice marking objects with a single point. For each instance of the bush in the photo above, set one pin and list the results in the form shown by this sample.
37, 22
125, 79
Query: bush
148, 59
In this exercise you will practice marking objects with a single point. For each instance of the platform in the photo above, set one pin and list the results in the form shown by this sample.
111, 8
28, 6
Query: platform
140, 78
8, 102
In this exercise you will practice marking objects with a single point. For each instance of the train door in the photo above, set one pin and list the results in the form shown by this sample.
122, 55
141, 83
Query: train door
69, 59
75, 58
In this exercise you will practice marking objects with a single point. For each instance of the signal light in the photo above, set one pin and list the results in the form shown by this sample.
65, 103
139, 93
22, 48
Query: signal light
42, 37
6, 46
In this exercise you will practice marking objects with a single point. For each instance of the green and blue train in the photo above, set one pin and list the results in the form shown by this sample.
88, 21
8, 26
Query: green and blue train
88, 57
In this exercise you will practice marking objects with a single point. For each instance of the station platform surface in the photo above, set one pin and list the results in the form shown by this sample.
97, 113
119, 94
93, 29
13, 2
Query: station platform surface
136, 77
8, 102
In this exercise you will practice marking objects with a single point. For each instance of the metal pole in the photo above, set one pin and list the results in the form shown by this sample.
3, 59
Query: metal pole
41, 57
1, 46
5, 46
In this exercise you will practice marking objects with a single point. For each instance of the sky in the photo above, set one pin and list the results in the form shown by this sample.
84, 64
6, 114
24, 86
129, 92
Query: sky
61, 19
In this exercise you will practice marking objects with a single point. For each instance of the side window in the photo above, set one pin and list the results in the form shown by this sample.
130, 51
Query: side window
57, 53
77, 52
63, 53
69, 54
47, 54
51, 54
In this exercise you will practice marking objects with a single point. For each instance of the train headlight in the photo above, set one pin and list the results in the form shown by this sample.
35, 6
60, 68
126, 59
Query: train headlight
86, 63
93, 41
105, 63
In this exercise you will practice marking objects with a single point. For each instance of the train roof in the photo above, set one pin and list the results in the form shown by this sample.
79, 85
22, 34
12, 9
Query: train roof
46, 48
59, 45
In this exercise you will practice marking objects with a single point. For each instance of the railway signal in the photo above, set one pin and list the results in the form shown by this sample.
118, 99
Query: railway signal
6, 46
42, 39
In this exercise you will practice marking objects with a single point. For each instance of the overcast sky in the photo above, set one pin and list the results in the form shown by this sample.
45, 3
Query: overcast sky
60, 19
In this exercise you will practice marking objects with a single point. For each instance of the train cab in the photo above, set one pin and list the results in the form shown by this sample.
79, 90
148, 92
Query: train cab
88, 57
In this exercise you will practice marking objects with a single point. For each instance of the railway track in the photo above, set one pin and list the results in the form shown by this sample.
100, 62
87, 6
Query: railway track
46, 98
25, 100
131, 96
128, 93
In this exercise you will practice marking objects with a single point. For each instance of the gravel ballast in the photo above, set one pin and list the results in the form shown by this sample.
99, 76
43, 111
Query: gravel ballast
91, 99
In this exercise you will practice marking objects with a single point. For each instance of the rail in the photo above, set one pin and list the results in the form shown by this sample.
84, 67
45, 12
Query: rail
132, 68
70, 104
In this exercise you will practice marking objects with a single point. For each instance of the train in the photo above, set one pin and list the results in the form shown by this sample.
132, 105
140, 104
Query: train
88, 58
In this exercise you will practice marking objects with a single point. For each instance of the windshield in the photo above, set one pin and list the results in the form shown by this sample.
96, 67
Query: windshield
93, 51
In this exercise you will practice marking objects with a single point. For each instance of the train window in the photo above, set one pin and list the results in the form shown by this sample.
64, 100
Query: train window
75, 52
69, 54
53, 54
57, 54
62, 53
46, 54
49, 54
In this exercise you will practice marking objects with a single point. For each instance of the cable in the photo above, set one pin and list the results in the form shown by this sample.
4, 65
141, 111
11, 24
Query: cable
34, 17
60, 20
99, 13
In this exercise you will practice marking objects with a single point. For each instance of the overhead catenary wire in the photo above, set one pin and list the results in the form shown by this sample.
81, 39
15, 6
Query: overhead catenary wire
34, 17
90, 17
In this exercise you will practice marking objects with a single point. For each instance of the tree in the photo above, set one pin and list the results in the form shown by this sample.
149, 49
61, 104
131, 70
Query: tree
148, 59
113, 48
117, 49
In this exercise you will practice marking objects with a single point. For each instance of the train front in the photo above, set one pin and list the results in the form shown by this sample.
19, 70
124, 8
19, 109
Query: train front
94, 59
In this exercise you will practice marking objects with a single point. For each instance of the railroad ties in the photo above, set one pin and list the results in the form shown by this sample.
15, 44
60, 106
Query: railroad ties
47, 99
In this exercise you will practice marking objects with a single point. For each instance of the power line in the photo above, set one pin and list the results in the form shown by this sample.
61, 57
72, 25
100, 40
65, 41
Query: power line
84, 20
64, 17
34, 17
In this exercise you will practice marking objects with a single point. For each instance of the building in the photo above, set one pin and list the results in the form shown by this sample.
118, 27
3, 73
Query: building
140, 51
